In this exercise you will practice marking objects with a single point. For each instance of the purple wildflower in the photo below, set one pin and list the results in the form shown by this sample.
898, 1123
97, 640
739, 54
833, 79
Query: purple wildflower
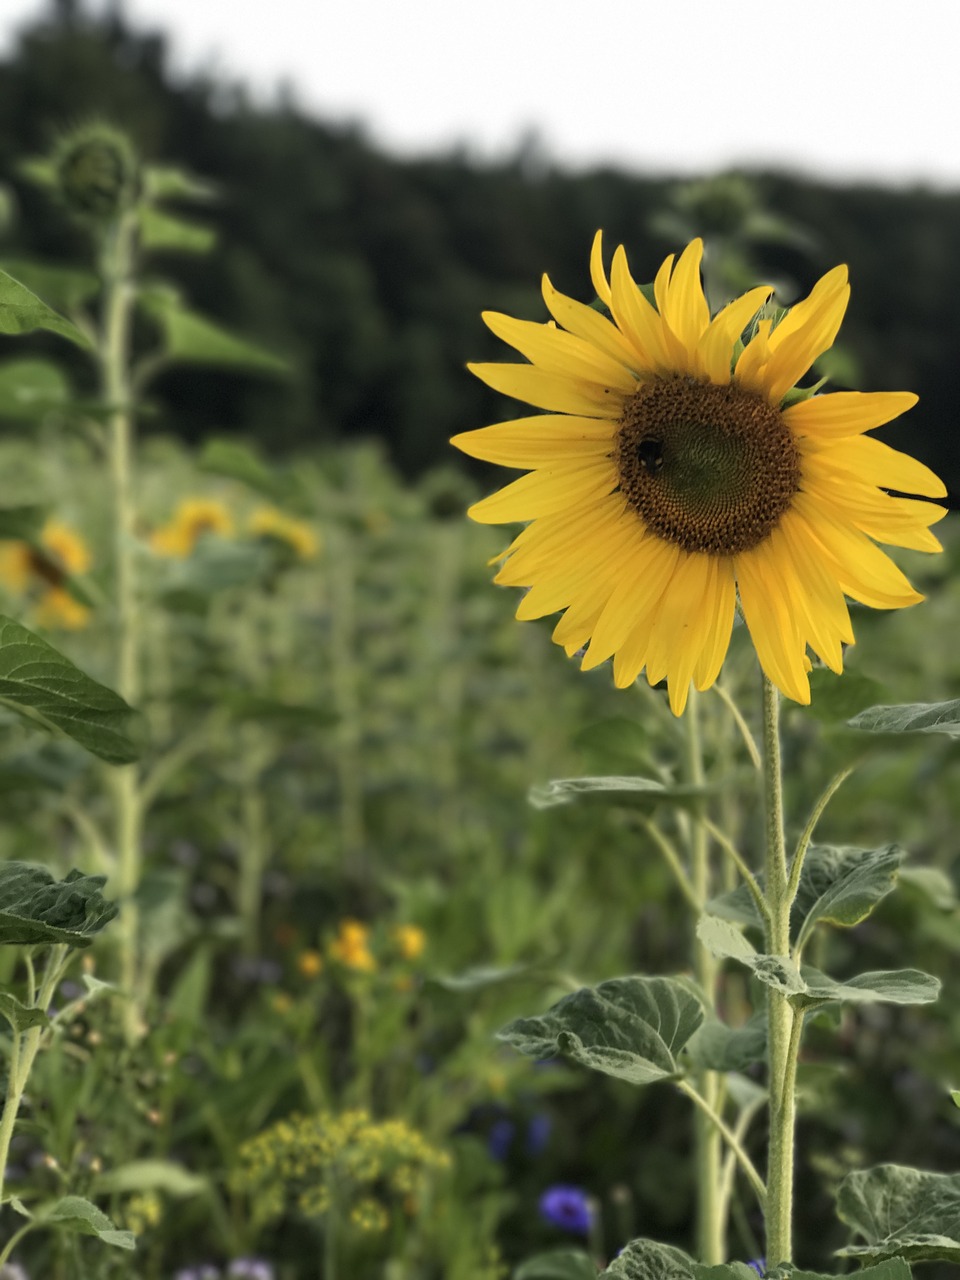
500, 1138
759, 1265
250, 1269
539, 1128
567, 1208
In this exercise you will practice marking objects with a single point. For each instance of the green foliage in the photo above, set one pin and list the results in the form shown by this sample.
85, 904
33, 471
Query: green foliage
558, 1264
36, 909
189, 338
40, 683
901, 1212
721, 1048
650, 1260
23, 312
631, 1028
891, 1269
30, 389
628, 792
915, 717
74, 1214
21, 1016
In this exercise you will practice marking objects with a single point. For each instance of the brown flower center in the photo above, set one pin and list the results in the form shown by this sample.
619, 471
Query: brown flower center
709, 468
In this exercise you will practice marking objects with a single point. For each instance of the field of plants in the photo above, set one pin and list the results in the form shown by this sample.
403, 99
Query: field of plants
350, 931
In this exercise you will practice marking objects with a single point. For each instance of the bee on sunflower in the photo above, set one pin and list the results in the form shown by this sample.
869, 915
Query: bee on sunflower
680, 473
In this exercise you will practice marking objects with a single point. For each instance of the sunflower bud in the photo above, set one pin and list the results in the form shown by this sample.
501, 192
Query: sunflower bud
96, 170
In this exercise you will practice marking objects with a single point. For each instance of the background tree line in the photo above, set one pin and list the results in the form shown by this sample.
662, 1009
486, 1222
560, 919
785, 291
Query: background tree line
369, 272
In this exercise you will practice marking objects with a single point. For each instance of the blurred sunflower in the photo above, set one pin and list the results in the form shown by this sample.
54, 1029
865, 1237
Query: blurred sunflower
679, 468
193, 519
268, 522
41, 569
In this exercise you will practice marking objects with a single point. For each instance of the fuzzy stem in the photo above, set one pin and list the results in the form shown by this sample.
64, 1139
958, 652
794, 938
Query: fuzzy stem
114, 360
782, 1036
711, 1229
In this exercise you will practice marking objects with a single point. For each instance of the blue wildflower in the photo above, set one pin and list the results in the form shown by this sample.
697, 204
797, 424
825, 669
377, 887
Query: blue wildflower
539, 1128
500, 1138
567, 1208
759, 1265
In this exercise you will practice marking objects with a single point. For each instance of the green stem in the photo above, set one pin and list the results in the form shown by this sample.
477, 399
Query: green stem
114, 358
672, 859
23, 1051
711, 1228
780, 1016
733, 1140
803, 843
750, 880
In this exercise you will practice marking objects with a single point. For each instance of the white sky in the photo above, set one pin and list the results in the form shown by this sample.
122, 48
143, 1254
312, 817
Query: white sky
846, 89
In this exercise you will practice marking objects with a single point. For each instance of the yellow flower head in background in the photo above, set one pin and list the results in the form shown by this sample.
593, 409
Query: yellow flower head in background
268, 522
310, 963
410, 940
678, 470
42, 569
193, 519
350, 947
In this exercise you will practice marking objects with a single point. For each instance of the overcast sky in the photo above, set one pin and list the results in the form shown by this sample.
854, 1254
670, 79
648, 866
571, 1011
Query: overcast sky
837, 88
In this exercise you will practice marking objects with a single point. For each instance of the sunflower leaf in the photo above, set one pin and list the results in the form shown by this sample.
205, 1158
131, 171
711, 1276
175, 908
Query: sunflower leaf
891, 986
23, 312
891, 1269
631, 1028
650, 1260
75, 1214
718, 1047
627, 792
901, 1212
911, 717
557, 1264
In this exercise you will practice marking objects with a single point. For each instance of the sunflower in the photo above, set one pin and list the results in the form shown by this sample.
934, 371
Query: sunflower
268, 522
41, 569
193, 519
679, 470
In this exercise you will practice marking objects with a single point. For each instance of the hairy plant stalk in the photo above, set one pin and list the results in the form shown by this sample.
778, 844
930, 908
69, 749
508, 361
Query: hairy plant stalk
711, 1227
782, 1033
114, 360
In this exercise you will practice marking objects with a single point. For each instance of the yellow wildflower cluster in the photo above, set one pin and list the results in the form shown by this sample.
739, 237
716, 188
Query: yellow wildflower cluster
351, 948
310, 963
142, 1212
41, 569
193, 519
295, 1162
410, 940
268, 522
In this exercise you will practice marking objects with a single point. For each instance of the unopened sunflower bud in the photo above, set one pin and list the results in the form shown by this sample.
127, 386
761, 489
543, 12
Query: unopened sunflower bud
97, 172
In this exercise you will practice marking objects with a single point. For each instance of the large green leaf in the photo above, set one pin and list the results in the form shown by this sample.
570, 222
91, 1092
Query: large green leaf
911, 717
833, 700
626, 792
891, 1269
631, 1028
842, 885
21, 1016
35, 677
151, 1175
557, 1264
718, 1047
193, 339
36, 908
63, 287
650, 1260
30, 389
839, 884
902, 1212
892, 986
73, 1213
725, 1271
23, 312
160, 230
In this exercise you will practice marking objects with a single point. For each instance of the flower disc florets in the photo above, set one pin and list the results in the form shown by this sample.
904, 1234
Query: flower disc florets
710, 468
97, 172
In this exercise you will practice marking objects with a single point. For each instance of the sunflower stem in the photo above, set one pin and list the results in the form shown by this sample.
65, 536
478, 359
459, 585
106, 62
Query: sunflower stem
783, 1027
711, 1228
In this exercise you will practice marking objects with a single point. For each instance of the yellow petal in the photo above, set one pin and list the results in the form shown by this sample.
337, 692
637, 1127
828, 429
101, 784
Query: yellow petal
653, 563
597, 273
544, 492
846, 413
685, 310
715, 348
719, 611
876, 463
637, 320
773, 629
794, 352
681, 626
549, 391
589, 324
556, 352
542, 440
753, 360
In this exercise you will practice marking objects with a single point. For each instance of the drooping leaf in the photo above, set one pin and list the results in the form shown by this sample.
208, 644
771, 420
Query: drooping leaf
650, 1260
557, 1264
842, 885
36, 677
891, 1269
911, 717
62, 287
164, 182
901, 1212
30, 389
193, 339
476, 979
631, 1028
894, 986
73, 1213
718, 1047
160, 230
934, 884
21, 1016
151, 1175
23, 312
36, 908
625, 792
726, 941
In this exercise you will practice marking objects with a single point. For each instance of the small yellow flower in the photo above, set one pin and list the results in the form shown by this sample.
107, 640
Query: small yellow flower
66, 546
350, 947
58, 608
193, 519
310, 963
41, 569
268, 522
410, 940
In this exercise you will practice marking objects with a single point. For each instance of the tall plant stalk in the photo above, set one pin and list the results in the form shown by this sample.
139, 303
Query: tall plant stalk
114, 361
